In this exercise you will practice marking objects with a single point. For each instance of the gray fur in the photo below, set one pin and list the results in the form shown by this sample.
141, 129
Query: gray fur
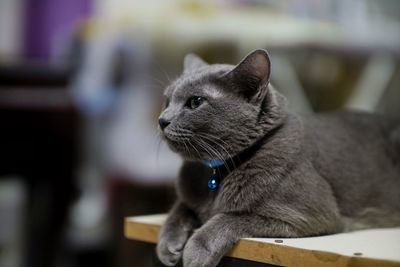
315, 175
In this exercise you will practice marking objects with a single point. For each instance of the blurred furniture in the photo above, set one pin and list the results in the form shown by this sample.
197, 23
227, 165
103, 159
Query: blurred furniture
330, 58
37, 140
376, 247
133, 199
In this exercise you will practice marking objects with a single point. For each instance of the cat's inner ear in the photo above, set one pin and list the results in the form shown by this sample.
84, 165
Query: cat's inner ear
251, 76
192, 62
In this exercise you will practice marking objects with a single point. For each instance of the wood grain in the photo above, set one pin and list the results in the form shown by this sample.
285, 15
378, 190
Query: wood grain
146, 228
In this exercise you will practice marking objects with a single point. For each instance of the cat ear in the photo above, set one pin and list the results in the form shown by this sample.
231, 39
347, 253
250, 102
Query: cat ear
251, 76
192, 62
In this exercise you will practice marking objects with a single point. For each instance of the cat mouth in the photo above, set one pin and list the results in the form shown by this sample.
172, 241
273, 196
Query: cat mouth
190, 146
176, 137
183, 144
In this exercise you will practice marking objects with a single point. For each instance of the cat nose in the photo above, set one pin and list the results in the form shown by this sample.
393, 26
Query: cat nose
163, 123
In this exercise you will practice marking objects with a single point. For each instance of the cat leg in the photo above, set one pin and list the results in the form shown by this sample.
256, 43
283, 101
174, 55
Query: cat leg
174, 233
208, 245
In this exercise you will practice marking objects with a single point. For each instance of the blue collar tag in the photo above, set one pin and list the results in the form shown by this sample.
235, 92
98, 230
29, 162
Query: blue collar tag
213, 181
213, 163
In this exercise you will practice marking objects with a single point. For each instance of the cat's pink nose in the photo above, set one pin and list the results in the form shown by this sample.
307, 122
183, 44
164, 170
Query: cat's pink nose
163, 123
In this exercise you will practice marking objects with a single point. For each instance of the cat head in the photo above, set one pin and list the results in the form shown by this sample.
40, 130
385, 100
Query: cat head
216, 111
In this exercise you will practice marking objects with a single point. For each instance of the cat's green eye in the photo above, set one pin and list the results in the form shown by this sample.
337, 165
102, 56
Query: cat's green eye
195, 102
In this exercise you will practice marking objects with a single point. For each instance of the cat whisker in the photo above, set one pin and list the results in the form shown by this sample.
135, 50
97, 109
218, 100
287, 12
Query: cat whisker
158, 148
178, 135
158, 67
216, 142
206, 150
183, 130
214, 137
186, 148
194, 148
211, 151
151, 80
218, 154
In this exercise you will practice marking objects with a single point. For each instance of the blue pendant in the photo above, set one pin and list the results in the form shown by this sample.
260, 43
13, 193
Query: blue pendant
212, 184
213, 181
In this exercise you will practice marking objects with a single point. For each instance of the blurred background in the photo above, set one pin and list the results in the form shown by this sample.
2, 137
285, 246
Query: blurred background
81, 88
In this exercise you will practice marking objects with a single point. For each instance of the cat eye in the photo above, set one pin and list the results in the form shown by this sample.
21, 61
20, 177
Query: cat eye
195, 102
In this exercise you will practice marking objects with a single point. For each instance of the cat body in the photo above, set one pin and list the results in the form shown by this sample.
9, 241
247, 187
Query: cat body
283, 175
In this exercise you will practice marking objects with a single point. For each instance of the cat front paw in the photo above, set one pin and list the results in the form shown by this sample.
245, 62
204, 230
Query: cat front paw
169, 251
198, 254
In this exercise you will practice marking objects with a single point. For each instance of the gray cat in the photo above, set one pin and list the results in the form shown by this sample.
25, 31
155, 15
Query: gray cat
253, 169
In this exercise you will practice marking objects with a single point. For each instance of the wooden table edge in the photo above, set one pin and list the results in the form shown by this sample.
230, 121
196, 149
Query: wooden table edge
276, 254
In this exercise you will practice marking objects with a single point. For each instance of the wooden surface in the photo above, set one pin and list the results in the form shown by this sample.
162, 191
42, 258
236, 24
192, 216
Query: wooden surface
370, 248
